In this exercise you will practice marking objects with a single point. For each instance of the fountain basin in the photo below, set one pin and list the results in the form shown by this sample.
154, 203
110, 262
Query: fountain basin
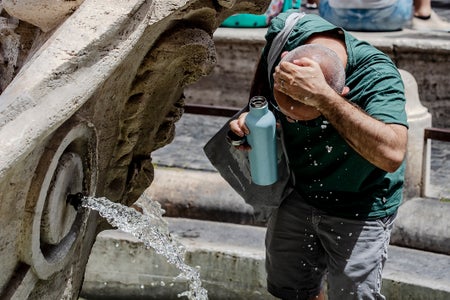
230, 256
231, 260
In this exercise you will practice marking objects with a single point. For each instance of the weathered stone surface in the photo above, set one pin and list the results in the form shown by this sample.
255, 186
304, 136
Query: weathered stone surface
423, 224
16, 39
45, 14
104, 88
418, 119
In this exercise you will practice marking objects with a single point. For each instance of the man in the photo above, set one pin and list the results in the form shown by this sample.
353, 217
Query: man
346, 149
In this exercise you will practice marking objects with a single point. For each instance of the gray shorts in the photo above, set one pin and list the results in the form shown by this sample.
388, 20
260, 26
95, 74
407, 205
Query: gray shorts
303, 245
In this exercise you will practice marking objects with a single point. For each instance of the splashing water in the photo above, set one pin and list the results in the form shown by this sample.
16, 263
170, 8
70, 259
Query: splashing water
151, 229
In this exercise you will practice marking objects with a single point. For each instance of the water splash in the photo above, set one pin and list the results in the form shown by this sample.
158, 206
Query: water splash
151, 229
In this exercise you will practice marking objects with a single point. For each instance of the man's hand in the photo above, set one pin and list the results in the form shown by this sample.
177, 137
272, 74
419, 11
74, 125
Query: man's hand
239, 128
302, 80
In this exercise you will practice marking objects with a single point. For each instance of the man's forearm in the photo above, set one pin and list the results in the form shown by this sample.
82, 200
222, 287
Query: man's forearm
384, 145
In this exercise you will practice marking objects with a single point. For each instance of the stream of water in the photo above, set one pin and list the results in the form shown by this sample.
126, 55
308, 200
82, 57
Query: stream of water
151, 229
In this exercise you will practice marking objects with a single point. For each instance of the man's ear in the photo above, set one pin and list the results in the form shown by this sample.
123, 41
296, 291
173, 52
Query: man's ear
345, 91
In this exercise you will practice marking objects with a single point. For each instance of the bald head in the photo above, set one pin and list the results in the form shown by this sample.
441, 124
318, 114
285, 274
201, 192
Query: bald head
332, 68
330, 64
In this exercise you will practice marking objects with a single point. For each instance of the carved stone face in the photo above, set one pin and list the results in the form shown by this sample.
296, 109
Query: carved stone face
45, 14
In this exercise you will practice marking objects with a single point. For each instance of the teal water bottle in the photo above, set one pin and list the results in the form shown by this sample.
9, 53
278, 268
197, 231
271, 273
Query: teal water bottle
262, 138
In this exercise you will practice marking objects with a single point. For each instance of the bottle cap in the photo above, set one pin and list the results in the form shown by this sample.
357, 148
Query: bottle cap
258, 101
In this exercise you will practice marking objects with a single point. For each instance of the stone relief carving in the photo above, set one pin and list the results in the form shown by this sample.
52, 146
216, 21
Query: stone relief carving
90, 93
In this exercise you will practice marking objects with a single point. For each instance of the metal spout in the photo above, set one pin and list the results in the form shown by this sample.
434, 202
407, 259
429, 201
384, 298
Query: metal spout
75, 200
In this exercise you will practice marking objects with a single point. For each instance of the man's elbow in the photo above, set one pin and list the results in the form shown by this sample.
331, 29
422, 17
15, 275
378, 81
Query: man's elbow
395, 153
394, 162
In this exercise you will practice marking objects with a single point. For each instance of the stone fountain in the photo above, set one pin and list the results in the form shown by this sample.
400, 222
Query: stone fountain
88, 90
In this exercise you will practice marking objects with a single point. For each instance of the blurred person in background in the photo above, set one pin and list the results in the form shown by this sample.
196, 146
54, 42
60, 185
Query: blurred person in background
367, 15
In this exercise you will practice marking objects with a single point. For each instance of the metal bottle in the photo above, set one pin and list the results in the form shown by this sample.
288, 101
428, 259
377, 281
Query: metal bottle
262, 138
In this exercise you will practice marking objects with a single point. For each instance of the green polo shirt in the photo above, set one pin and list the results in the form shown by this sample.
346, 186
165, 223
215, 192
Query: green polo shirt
328, 173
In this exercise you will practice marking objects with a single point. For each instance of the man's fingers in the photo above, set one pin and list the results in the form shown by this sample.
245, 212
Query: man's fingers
238, 126
241, 122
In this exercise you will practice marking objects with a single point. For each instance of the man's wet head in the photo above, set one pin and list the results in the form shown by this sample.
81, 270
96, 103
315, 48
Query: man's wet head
332, 69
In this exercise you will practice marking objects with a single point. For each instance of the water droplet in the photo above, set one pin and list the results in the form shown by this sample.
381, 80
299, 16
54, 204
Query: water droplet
329, 148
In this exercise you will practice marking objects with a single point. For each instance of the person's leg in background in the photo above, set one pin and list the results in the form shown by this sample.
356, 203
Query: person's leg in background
422, 8
312, 4
426, 19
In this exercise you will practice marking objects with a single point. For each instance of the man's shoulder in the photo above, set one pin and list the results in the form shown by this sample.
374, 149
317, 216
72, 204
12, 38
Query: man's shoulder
277, 24
305, 26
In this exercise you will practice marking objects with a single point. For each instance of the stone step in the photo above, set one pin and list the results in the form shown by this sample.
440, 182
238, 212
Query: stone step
231, 260
421, 222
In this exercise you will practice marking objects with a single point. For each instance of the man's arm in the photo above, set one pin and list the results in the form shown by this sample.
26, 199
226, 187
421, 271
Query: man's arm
384, 145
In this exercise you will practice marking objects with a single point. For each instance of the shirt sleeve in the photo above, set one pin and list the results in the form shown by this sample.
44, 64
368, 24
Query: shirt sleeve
380, 93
